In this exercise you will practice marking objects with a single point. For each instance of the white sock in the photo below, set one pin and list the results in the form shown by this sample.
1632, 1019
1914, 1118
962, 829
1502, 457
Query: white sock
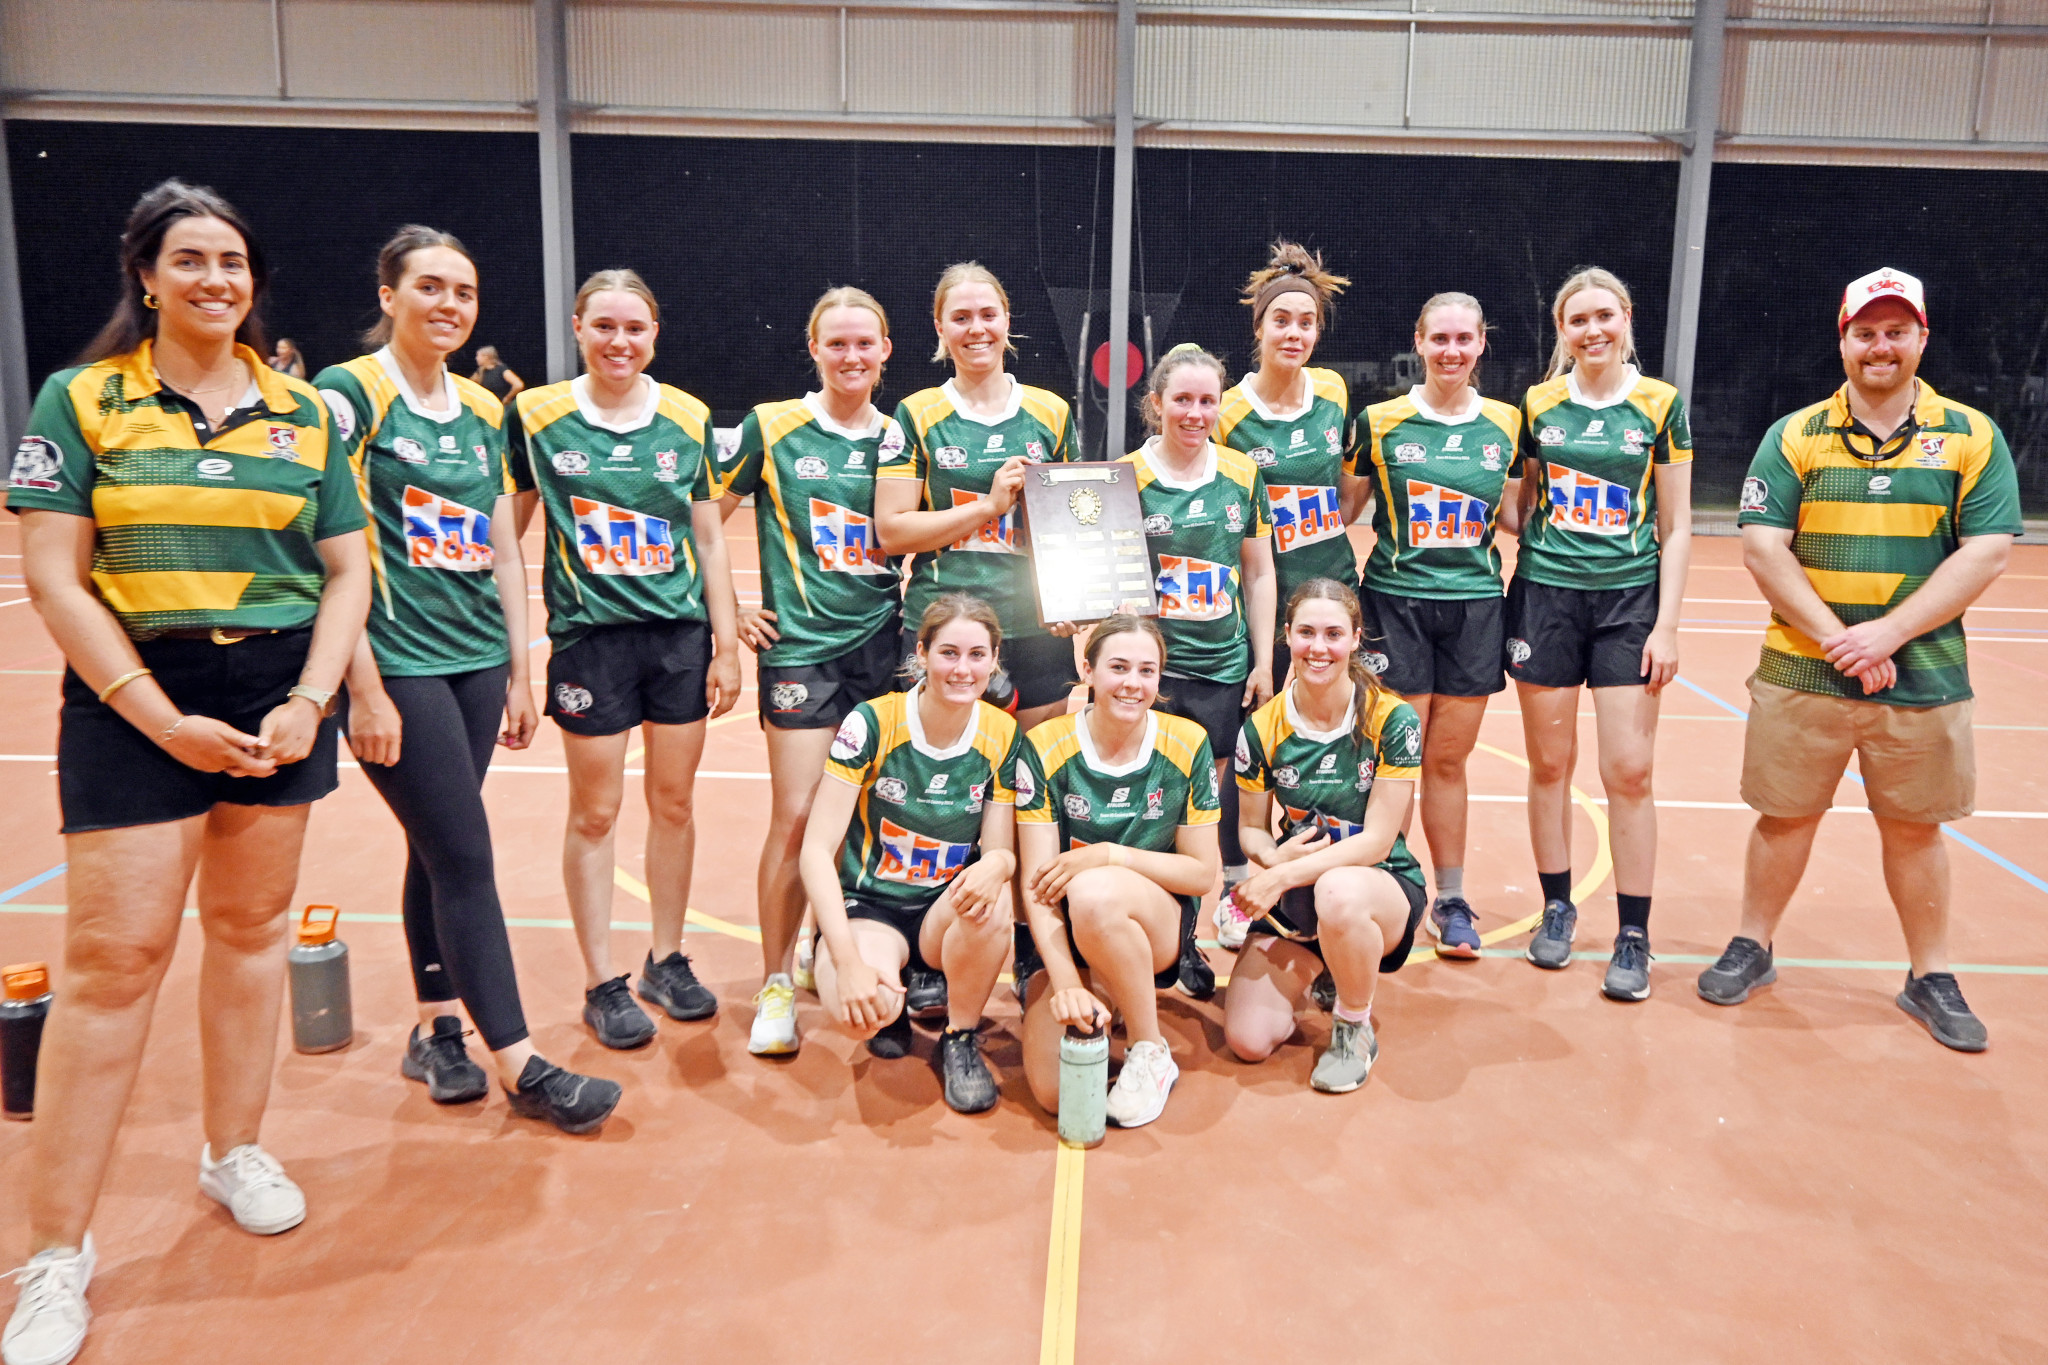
1235, 873
1352, 1016
1450, 881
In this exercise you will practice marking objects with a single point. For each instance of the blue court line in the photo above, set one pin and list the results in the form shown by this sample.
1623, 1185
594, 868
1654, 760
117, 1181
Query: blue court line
33, 882
1965, 840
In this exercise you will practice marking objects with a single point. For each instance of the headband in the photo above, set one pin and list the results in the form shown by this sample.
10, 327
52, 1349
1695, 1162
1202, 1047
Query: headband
1292, 281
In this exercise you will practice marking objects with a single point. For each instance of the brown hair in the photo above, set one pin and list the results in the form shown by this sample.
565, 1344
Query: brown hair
617, 281
391, 266
1453, 299
1302, 270
1590, 277
142, 241
967, 272
958, 606
847, 296
1362, 678
1121, 623
1187, 353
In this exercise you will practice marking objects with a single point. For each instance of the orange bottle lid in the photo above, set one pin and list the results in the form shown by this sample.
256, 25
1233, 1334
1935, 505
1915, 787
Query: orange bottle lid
26, 980
317, 925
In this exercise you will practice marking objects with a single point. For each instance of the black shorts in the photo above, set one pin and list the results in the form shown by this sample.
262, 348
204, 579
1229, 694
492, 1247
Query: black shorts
908, 923
1562, 637
1217, 707
1296, 916
110, 775
1163, 979
615, 677
819, 696
1039, 667
1449, 647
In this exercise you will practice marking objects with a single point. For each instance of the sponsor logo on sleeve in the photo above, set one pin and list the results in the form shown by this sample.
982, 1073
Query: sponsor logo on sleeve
845, 540
918, 859
1588, 505
441, 533
853, 734
342, 411
1076, 806
1215, 789
892, 790
1027, 785
1407, 747
216, 469
1374, 661
892, 443
568, 463
619, 541
788, 697
572, 700
1756, 495
1244, 753
950, 457
1444, 518
37, 463
410, 451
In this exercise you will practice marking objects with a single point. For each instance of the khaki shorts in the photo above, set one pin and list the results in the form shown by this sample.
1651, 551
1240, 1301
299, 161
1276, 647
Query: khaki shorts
1917, 763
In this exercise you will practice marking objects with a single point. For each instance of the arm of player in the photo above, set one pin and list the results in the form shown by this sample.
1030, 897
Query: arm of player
1261, 591
1767, 554
508, 574
1674, 557
985, 883
1354, 495
722, 684
376, 731
1385, 809
1511, 509
1947, 594
862, 1003
906, 530
289, 729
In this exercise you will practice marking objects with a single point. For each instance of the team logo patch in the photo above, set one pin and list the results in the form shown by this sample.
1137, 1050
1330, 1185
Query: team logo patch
620, 541
996, 537
284, 443
1034, 450
950, 457
410, 451
1550, 436
845, 540
1518, 651
1155, 804
1374, 661
1364, 774
665, 465
1410, 452
1588, 505
1026, 785
892, 790
1632, 442
918, 859
441, 533
483, 459
37, 463
1444, 517
975, 795
1489, 458
786, 697
1158, 524
342, 411
1931, 445
1193, 589
852, 737
1333, 440
568, 463
1756, 495
1880, 483
1076, 806
216, 469
572, 700
811, 467
1264, 457
1289, 776
1233, 517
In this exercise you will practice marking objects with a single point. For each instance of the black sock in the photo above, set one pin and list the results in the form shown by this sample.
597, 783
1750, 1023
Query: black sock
1557, 886
1635, 911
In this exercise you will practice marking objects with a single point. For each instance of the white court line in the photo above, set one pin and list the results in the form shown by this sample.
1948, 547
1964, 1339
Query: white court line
1759, 602
1759, 626
1737, 805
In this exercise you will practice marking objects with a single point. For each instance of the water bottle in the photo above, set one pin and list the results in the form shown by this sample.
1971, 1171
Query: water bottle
21, 1035
1084, 1085
321, 1018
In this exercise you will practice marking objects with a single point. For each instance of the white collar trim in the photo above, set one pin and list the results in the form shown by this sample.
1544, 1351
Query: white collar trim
1571, 384
917, 739
1308, 401
814, 402
1159, 474
580, 387
1422, 406
1011, 405
1308, 732
1094, 760
412, 400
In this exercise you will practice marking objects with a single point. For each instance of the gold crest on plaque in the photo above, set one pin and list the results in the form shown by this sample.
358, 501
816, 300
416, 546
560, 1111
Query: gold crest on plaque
1086, 505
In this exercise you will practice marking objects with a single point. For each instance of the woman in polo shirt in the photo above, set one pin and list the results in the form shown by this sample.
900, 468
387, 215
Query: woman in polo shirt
197, 554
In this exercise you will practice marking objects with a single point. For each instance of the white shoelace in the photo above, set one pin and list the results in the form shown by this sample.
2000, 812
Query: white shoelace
252, 1168
47, 1285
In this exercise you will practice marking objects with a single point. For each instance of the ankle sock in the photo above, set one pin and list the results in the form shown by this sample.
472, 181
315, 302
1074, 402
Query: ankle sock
1352, 1016
1635, 911
1557, 886
1450, 881
1235, 873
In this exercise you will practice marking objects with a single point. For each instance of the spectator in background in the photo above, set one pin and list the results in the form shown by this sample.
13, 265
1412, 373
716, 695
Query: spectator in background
287, 360
495, 375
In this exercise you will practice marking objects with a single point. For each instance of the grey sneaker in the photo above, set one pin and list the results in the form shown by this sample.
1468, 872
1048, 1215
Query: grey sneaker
1745, 964
442, 1062
1628, 971
672, 984
609, 1010
1937, 1001
1552, 946
1348, 1060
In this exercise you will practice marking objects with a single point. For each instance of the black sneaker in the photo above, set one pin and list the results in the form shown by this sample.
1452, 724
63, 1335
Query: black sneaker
1937, 1001
573, 1103
1197, 979
969, 1085
671, 984
1026, 964
924, 993
892, 1040
443, 1063
1745, 964
1323, 991
1628, 971
618, 1023
1551, 948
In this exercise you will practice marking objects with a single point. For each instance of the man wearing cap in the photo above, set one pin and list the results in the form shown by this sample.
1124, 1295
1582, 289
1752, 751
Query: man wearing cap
1870, 522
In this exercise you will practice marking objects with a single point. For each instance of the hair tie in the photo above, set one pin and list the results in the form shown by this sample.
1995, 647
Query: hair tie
1292, 280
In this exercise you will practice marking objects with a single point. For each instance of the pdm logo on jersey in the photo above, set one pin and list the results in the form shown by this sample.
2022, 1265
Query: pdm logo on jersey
620, 541
1303, 514
1444, 517
918, 859
441, 533
1591, 506
1194, 589
996, 537
845, 540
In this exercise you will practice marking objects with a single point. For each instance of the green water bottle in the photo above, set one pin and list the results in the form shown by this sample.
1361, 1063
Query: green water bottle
1084, 1085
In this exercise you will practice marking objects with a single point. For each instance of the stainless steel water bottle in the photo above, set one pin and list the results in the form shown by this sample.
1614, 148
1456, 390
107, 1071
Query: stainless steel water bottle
322, 1020
21, 1035
1084, 1085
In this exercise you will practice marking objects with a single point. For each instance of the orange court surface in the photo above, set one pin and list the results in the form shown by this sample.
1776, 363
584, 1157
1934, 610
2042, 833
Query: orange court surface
1534, 1173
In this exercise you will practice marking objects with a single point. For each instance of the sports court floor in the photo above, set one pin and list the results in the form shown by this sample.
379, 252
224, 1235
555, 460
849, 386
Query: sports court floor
1534, 1173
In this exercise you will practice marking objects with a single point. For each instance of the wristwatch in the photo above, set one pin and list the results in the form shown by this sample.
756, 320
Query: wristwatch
323, 702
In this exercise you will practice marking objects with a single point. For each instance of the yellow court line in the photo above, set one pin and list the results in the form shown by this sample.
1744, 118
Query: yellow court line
1603, 860
633, 886
1063, 1260
639, 749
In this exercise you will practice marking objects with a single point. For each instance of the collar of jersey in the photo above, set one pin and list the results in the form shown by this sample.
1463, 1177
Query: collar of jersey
916, 728
1415, 397
139, 377
1571, 385
1299, 724
814, 404
1159, 474
1094, 760
1251, 396
1011, 406
580, 387
398, 381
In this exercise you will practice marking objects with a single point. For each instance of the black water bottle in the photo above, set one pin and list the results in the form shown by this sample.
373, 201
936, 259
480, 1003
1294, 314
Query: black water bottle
21, 1035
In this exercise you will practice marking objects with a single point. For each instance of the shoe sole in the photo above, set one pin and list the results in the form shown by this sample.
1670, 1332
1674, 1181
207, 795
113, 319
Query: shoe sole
1154, 1115
1359, 1084
622, 1046
1456, 952
414, 1072
671, 1011
539, 1114
774, 1047
1625, 996
1549, 966
1766, 979
1956, 1044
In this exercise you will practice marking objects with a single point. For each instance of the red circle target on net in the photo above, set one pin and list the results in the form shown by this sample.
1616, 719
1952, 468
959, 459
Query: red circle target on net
1134, 364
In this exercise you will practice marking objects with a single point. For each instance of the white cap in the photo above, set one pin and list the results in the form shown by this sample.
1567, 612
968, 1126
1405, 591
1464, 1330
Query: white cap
1886, 283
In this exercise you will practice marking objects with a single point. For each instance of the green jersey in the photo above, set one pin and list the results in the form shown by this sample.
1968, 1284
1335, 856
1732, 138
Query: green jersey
823, 572
429, 481
618, 500
1437, 485
1063, 782
955, 457
1869, 533
1195, 533
1594, 524
1299, 455
1325, 777
917, 821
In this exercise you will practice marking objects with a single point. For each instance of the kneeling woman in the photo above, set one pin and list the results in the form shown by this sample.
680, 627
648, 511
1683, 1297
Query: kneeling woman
1116, 815
916, 810
1342, 755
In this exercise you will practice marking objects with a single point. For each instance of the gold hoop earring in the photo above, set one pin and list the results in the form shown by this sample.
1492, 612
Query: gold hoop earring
149, 301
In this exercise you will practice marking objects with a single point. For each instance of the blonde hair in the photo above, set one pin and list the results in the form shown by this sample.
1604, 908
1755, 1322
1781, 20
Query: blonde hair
1364, 679
1590, 277
967, 272
1296, 263
1452, 298
1187, 353
617, 281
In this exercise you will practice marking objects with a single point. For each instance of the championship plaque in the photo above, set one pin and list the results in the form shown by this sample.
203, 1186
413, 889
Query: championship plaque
1087, 534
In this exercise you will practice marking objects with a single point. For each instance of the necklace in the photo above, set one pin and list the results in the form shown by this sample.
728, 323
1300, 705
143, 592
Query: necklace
238, 379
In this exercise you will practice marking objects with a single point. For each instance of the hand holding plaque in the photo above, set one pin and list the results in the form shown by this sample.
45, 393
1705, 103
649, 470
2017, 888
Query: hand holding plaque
1086, 530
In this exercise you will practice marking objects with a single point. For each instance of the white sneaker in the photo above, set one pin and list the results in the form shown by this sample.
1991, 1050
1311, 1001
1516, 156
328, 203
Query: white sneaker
1139, 1095
50, 1316
1230, 926
806, 957
254, 1187
774, 1031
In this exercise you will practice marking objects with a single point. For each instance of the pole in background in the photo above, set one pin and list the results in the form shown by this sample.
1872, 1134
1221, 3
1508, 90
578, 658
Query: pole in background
1119, 386
1695, 183
557, 196
14, 391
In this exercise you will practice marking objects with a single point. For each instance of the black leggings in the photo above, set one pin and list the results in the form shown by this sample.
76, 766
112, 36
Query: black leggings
453, 922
